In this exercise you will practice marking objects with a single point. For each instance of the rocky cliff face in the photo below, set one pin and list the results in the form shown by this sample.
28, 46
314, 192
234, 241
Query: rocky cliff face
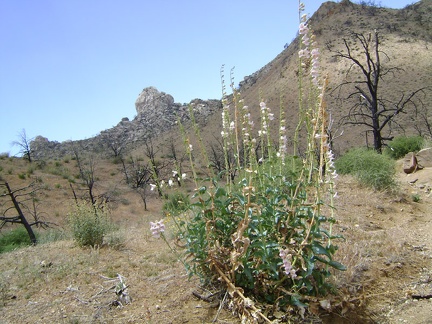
156, 113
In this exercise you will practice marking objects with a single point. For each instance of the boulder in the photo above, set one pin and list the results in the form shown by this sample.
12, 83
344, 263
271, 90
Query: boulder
424, 157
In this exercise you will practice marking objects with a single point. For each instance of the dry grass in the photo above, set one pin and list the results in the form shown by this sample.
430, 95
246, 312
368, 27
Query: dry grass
60, 282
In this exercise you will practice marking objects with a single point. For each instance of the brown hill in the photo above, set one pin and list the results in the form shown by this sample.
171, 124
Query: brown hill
405, 37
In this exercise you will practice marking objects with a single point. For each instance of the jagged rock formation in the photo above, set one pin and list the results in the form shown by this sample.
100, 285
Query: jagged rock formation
156, 113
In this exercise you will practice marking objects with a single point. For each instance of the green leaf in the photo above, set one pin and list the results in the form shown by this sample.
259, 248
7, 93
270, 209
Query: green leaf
319, 249
202, 190
220, 192
240, 198
337, 265
296, 302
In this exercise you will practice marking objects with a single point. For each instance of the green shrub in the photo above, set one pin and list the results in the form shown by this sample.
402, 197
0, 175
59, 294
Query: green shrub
416, 197
31, 169
58, 169
258, 227
89, 224
176, 203
115, 240
116, 160
4, 155
14, 239
370, 168
402, 145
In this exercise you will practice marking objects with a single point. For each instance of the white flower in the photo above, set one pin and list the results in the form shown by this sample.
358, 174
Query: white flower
318, 135
152, 186
170, 182
174, 173
305, 40
157, 228
289, 270
183, 176
303, 29
304, 53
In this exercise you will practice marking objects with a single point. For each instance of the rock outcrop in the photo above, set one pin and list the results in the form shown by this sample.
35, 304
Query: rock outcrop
156, 113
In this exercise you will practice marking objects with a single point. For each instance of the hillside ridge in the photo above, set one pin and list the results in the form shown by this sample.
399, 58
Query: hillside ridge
406, 37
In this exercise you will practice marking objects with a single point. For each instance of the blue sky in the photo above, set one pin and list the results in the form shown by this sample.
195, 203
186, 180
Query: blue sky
71, 68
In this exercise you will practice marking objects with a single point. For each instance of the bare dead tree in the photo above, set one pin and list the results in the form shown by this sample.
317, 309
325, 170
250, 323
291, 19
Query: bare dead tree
15, 205
87, 173
422, 120
220, 163
216, 155
157, 165
117, 147
370, 106
24, 145
178, 157
139, 177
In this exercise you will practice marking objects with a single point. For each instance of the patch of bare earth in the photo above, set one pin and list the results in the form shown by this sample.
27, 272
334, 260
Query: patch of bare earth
388, 252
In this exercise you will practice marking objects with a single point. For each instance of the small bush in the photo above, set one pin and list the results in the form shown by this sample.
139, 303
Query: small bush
115, 240
176, 204
370, 168
89, 224
402, 145
14, 239
116, 160
415, 197
4, 155
31, 169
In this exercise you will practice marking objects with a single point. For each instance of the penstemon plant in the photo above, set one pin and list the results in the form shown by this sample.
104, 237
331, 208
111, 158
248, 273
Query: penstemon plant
258, 228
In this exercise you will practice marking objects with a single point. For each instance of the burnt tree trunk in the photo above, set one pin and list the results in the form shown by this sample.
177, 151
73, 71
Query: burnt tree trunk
21, 218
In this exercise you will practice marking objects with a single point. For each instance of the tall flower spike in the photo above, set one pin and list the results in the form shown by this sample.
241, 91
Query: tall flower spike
157, 228
288, 268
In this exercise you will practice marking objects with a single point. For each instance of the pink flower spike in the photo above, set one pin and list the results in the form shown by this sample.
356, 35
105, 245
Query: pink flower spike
157, 228
303, 29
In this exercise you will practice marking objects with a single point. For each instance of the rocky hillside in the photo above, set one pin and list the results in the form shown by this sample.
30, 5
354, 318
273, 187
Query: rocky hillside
405, 36
156, 113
